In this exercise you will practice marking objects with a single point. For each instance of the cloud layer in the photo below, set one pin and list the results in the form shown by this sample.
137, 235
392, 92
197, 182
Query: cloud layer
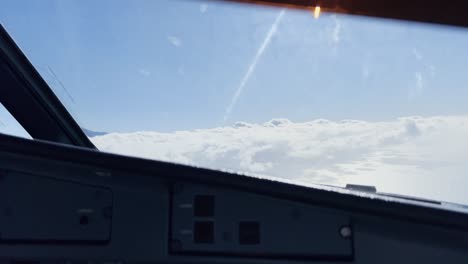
411, 155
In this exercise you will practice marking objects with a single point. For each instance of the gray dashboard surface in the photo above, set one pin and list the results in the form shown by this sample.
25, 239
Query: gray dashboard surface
136, 212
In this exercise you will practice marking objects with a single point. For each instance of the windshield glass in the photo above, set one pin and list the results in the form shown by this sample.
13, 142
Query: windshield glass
9, 125
260, 90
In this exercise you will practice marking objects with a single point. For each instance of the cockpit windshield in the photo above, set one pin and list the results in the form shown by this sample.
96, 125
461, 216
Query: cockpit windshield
330, 99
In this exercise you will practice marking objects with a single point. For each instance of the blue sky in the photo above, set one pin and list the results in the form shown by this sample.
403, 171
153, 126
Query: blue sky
177, 65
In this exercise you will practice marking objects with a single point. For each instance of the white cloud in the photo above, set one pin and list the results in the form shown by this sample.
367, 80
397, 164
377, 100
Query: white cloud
253, 64
432, 70
336, 32
417, 54
412, 155
144, 72
419, 81
203, 7
418, 87
175, 41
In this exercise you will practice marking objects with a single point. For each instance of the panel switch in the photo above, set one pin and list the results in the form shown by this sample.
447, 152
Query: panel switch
249, 233
203, 232
203, 205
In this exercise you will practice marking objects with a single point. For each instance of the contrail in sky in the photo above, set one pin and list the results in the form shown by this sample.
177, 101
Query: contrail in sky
253, 65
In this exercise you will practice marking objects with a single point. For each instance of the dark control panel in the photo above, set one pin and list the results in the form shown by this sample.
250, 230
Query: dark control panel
57, 212
222, 221
36, 209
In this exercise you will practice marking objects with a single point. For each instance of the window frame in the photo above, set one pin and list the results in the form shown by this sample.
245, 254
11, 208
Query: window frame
31, 101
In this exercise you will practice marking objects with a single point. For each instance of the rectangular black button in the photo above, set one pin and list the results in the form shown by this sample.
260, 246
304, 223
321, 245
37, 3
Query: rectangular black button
203, 232
249, 233
203, 206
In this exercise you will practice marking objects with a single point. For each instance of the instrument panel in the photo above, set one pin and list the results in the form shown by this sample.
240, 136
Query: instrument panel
60, 204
